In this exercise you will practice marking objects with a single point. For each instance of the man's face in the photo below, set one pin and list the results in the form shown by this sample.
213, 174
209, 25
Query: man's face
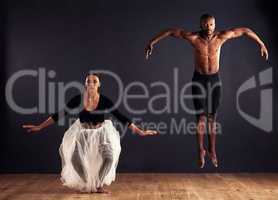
208, 25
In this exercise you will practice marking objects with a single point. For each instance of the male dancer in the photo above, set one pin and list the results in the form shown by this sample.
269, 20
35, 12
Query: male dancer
207, 44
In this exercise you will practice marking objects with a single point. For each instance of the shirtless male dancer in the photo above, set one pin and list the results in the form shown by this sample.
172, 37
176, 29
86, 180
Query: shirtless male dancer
207, 44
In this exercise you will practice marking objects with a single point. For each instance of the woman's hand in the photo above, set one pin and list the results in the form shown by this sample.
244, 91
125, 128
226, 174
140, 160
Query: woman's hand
32, 128
141, 132
148, 132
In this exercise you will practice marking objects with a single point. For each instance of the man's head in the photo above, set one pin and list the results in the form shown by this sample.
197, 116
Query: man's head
207, 24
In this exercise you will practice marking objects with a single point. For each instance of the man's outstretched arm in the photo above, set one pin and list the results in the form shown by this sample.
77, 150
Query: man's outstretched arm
237, 32
174, 32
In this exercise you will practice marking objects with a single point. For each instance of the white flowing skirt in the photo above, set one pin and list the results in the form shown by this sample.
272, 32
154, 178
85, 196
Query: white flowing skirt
82, 152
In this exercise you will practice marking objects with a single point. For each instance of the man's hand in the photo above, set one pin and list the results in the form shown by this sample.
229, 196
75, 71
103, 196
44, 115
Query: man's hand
264, 52
32, 128
148, 51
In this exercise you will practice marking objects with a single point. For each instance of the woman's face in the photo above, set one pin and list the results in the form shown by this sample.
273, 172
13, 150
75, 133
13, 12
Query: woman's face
92, 83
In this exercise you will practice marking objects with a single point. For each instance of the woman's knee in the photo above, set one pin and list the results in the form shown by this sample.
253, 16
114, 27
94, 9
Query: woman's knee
108, 158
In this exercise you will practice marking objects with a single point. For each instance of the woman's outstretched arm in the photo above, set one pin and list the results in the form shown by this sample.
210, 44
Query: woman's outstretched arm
34, 128
72, 103
125, 120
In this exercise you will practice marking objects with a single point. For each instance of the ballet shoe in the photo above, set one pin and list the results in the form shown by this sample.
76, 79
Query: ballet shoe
102, 191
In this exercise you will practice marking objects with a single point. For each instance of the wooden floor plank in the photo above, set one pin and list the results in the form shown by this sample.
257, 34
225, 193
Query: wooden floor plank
146, 186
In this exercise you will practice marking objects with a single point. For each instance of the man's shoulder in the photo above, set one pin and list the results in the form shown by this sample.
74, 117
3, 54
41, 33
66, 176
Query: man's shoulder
224, 33
191, 35
194, 33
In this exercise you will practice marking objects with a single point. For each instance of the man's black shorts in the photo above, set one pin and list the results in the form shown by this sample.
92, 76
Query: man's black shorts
206, 93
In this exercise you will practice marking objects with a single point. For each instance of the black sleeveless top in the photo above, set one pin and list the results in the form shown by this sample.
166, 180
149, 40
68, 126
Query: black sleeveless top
95, 116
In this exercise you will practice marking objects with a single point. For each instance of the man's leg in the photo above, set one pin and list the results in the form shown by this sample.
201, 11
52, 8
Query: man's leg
198, 88
211, 133
212, 139
201, 125
214, 99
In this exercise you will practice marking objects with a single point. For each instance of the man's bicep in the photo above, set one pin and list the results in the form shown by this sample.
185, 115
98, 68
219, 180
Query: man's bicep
226, 35
183, 34
177, 32
189, 36
232, 33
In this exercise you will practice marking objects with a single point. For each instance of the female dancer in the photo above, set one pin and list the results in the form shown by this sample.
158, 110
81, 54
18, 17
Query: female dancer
91, 146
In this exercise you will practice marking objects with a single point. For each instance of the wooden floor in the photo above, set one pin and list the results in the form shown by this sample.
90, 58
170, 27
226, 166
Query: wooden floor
147, 186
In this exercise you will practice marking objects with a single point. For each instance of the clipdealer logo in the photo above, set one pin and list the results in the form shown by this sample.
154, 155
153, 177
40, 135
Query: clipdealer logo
265, 119
173, 98
263, 122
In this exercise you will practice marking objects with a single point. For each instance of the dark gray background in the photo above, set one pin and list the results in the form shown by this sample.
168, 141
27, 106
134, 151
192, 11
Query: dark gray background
72, 37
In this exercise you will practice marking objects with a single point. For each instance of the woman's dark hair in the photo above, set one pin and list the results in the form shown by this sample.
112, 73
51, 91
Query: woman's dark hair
94, 74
